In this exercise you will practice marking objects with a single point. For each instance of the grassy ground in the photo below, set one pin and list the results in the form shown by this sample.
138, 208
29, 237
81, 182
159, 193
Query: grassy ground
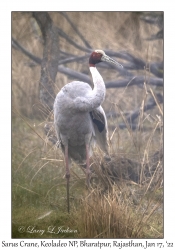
114, 207
123, 209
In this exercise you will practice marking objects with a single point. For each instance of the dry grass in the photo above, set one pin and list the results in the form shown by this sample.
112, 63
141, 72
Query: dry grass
114, 215
126, 198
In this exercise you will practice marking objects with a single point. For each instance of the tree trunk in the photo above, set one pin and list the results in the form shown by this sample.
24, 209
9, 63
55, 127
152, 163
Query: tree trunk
49, 64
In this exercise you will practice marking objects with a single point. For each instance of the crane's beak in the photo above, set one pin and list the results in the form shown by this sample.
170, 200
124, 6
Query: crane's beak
106, 58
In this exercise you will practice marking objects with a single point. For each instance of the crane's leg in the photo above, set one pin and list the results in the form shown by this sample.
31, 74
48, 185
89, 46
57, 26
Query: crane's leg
67, 175
88, 172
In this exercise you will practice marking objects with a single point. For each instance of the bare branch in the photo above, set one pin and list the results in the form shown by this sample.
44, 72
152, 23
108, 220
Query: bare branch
68, 39
137, 63
73, 59
156, 68
130, 117
75, 28
83, 77
150, 105
136, 81
16, 45
74, 74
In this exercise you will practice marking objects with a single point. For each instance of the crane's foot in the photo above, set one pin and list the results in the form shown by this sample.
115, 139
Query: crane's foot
88, 177
68, 205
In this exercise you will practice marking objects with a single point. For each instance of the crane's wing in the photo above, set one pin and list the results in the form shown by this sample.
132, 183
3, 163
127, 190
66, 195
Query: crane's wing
101, 130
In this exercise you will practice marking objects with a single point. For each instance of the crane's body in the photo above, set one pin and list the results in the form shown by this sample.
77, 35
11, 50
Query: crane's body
80, 120
74, 114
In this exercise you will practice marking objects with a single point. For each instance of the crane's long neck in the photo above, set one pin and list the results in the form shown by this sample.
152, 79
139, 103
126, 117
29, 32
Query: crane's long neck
99, 90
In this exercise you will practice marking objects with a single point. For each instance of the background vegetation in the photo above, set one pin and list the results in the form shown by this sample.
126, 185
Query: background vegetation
126, 199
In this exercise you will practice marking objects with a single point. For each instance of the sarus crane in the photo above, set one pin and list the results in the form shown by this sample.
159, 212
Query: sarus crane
79, 119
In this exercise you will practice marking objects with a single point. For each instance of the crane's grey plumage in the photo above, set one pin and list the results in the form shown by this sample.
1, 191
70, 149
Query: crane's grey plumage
80, 121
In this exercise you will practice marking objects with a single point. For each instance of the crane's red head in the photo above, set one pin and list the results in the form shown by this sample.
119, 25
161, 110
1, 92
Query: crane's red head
96, 57
100, 56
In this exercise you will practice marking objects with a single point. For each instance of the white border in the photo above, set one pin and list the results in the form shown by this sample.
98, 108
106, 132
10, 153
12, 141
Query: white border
5, 94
